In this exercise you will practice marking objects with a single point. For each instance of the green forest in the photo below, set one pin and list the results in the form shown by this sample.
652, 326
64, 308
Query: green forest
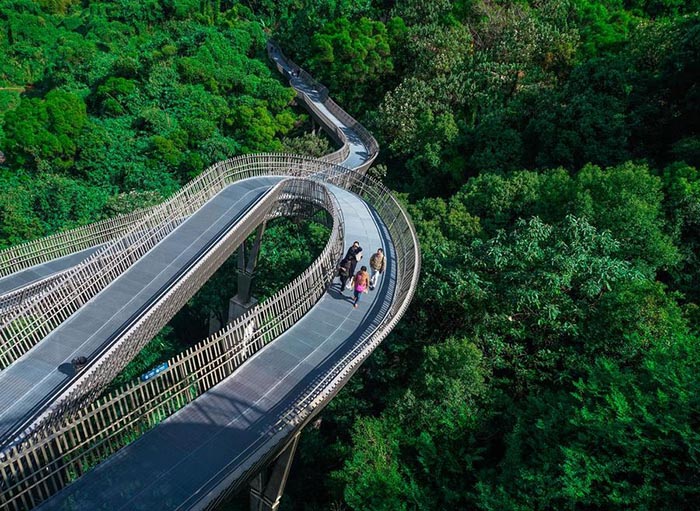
548, 153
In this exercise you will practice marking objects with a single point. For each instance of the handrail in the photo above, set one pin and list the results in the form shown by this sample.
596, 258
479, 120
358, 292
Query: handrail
98, 375
29, 323
290, 69
99, 428
319, 393
41, 250
12, 300
132, 337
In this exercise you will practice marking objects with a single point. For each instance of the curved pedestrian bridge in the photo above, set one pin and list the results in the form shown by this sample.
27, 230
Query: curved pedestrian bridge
237, 399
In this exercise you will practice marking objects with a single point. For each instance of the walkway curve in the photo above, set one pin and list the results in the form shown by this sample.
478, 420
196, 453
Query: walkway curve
393, 226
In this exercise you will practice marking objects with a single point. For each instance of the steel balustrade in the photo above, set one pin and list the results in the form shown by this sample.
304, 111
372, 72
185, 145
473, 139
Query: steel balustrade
45, 249
101, 428
28, 324
320, 392
11, 301
131, 341
98, 375
115, 357
276, 55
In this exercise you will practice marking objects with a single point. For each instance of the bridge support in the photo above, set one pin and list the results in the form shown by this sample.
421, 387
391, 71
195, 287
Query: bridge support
244, 301
267, 487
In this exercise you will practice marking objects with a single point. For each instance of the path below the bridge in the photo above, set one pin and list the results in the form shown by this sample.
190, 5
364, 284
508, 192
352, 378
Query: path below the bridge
41, 271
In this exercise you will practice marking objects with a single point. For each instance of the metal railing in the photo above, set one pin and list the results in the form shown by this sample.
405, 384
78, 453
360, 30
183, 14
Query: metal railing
407, 256
225, 172
24, 325
53, 456
100, 428
288, 68
121, 256
113, 358
12, 300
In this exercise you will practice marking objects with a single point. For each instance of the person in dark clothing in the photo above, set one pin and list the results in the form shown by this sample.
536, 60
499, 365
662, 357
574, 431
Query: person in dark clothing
79, 363
354, 249
354, 254
345, 271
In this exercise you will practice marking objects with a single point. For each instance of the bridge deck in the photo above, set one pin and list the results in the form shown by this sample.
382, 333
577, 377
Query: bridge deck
30, 381
41, 271
223, 432
358, 156
358, 151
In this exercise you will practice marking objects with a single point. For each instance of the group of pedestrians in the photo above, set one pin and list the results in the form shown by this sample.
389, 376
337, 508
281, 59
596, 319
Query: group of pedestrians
362, 281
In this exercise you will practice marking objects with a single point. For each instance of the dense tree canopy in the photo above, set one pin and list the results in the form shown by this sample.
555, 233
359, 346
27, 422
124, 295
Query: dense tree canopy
548, 152
129, 96
556, 319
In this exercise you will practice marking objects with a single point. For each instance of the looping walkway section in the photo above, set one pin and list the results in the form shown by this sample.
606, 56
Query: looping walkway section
237, 399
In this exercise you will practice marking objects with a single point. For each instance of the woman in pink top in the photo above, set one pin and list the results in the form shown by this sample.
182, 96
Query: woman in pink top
360, 284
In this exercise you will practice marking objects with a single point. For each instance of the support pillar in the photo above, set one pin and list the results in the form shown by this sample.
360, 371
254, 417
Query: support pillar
244, 301
267, 487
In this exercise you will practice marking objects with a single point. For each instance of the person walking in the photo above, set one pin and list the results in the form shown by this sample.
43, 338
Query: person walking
354, 253
378, 264
345, 268
361, 282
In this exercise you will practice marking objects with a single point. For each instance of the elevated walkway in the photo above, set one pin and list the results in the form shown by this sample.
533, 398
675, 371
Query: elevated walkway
29, 385
42, 271
225, 433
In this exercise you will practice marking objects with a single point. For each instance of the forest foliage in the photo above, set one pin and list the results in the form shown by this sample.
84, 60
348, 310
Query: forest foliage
548, 153
115, 97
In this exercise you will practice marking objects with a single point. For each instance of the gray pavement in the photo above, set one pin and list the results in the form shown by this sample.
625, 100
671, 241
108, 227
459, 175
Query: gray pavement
41, 271
358, 151
29, 383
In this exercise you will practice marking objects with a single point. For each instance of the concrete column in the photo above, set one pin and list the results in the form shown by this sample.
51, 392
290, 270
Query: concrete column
237, 308
267, 487
244, 301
